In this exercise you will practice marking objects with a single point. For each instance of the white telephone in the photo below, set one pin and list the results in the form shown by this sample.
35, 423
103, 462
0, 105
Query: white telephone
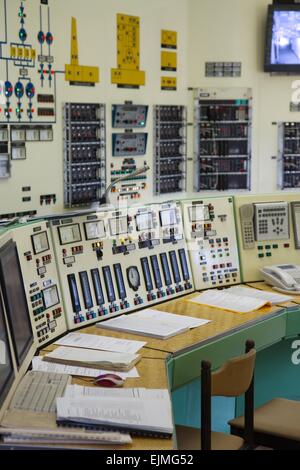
283, 277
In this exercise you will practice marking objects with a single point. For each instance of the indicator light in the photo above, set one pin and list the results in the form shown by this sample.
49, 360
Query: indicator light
22, 34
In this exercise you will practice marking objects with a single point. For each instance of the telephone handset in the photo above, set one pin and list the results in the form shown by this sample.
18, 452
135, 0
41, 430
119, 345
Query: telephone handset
283, 277
247, 215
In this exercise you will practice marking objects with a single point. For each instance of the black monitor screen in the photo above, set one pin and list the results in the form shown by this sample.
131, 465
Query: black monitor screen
283, 39
15, 300
6, 367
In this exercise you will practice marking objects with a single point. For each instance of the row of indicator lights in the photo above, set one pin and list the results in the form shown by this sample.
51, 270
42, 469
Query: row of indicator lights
18, 89
42, 37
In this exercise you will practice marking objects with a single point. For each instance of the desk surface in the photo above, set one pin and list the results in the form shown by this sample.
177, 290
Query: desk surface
222, 322
152, 367
153, 374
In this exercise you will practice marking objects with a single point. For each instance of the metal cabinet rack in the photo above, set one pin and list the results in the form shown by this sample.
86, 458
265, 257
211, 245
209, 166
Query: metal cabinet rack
222, 127
289, 155
84, 153
170, 149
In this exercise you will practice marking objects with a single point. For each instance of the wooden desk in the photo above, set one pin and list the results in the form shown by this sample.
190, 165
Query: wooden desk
221, 322
178, 359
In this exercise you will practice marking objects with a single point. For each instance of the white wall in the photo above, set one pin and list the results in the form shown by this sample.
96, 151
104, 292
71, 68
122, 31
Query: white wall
234, 30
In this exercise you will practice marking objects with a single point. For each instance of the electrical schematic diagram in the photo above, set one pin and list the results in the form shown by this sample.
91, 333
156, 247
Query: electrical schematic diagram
27, 74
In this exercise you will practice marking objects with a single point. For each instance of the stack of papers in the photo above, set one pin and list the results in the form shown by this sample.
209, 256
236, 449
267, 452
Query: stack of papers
149, 413
76, 391
92, 358
148, 322
38, 437
238, 299
43, 366
103, 343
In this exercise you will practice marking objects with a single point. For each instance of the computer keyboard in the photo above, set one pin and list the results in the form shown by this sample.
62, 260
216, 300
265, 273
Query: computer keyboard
38, 391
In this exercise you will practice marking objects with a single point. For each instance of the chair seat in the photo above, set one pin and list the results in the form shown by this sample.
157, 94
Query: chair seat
188, 438
279, 417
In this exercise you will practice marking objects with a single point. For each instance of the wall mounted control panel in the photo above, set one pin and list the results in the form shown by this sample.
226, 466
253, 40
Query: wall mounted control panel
268, 229
170, 149
40, 277
129, 116
118, 261
129, 144
84, 153
212, 243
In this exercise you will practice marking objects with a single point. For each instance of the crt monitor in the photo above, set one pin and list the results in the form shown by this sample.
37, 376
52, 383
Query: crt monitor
15, 301
282, 52
6, 366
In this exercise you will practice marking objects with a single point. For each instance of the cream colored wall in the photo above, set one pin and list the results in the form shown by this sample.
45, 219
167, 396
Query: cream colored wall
208, 30
234, 30
96, 23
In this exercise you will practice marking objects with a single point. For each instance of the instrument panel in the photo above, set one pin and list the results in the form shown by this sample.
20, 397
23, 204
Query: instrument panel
118, 261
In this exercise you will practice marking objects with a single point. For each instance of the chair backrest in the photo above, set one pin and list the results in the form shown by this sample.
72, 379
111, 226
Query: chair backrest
234, 378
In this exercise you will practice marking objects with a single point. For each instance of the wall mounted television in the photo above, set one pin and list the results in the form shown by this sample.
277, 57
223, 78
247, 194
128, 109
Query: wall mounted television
282, 52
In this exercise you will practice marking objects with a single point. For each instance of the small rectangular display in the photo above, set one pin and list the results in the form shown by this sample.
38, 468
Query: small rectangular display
184, 264
156, 271
118, 226
199, 213
166, 269
69, 234
120, 281
168, 217
97, 286
109, 284
42, 270
94, 230
147, 275
175, 267
86, 291
74, 293
40, 242
50, 296
144, 221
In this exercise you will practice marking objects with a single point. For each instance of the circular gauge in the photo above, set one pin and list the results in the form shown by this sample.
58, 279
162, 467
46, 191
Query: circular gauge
49, 39
8, 89
19, 90
133, 277
30, 90
41, 37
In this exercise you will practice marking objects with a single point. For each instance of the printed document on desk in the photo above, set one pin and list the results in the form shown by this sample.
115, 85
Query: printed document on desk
134, 415
92, 358
271, 297
77, 391
37, 437
43, 366
227, 301
103, 343
154, 323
